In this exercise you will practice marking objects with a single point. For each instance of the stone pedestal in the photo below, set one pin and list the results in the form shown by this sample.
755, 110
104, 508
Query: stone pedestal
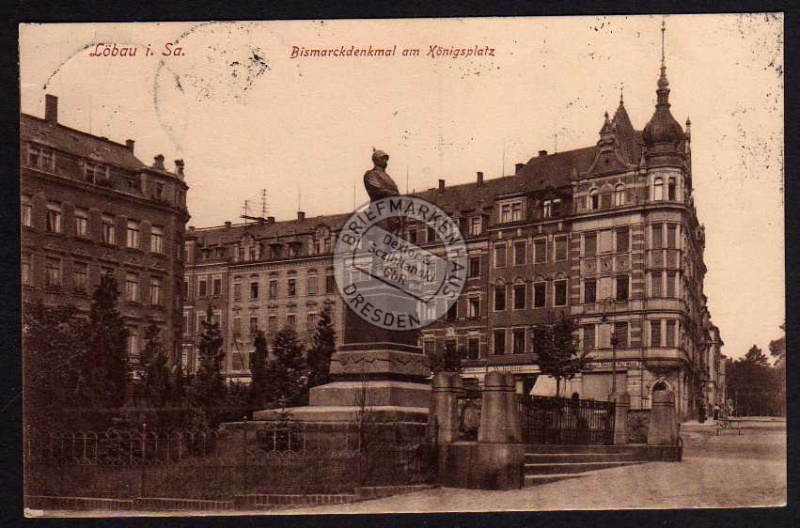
663, 429
622, 404
500, 423
447, 387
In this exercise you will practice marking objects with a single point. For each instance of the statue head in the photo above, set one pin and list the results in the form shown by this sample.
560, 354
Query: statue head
380, 158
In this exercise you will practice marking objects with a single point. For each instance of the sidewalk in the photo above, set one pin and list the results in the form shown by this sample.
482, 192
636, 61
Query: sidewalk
724, 471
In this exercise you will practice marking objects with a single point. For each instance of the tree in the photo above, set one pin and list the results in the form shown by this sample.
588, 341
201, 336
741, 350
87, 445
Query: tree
752, 384
207, 391
448, 359
102, 381
777, 348
323, 345
558, 354
156, 379
258, 371
756, 356
287, 373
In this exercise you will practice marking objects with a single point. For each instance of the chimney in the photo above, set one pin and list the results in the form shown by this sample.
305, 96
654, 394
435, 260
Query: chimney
270, 220
51, 108
480, 178
301, 215
542, 153
179, 167
518, 167
158, 162
227, 225
441, 186
129, 144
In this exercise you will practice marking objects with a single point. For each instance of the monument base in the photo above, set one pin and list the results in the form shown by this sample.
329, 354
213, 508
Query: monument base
344, 414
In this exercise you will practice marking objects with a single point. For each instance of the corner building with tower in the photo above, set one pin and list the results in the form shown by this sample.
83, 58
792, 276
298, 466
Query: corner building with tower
607, 234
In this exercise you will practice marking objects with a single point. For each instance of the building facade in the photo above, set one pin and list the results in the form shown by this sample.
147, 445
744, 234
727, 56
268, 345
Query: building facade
606, 234
90, 207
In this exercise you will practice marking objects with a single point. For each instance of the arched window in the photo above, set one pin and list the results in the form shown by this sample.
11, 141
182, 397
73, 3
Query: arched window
594, 200
619, 195
672, 193
658, 189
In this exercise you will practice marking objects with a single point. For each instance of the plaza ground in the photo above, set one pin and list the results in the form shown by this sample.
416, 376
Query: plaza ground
726, 471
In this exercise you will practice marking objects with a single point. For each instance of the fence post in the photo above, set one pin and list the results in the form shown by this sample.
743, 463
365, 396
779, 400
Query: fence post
444, 406
144, 455
244, 456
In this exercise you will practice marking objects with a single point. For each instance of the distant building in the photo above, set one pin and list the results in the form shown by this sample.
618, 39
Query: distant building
607, 234
90, 207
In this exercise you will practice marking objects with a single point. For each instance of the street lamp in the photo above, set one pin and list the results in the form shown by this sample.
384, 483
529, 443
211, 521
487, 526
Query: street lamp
612, 303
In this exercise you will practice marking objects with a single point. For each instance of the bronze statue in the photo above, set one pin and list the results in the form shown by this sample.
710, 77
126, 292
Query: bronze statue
377, 182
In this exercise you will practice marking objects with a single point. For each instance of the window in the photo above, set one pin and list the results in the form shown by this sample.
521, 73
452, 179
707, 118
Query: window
655, 284
109, 230
133, 183
273, 289
516, 211
186, 290
540, 250
671, 190
672, 236
655, 333
500, 256
132, 287
590, 291
473, 348
670, 333
622, 288
54, 217
251, 253
216, 286
155, 291
202, 287
619, 195
159, 190
330, 282
311, 321
658, 236
81, 222
254, 289
518, 344
499, 342
412, 235
133, 342
519, 253
431, 235
52, 273
505, 213
561, 248
157, 239
623, 239
588, 337
41, 157
672, 278
500, 297
658, 189
590, 244
311, 286
237, 291
186, 328
475, 225
26, 211
547, 209
452, 312
519, 296
272, 324
594, 200
236, 327
291, 321
132, 234
560, 297
474, 267
26, 270
80, 277
292, 290
253, 326
621, 335
95, 172
473, 307
539, 294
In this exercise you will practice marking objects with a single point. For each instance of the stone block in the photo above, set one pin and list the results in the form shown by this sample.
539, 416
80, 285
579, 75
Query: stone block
380, 363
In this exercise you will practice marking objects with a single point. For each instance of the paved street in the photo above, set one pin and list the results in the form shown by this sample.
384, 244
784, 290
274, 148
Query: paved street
717, 471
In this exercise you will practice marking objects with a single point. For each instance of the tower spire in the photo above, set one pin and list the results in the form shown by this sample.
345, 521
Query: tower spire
663, 83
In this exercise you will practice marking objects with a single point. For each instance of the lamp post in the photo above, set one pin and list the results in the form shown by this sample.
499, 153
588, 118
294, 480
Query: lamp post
612, 303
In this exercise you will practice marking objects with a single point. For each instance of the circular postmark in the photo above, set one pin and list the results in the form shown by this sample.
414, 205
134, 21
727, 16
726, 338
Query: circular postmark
392, 279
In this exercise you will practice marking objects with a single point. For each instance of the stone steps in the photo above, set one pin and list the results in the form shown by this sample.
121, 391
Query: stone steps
545, 464
558, 468
542, 458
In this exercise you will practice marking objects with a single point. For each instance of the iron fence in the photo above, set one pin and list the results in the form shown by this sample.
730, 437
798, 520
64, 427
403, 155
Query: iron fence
547, 420
295, 458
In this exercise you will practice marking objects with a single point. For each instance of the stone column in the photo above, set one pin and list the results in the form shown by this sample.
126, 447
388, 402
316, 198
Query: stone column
500, 423
447, 387
663, 430
622, 404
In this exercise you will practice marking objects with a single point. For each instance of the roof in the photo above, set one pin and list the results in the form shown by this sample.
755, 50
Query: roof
81, 144
221, 235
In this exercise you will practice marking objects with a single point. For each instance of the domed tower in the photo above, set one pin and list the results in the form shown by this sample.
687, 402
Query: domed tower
665, 146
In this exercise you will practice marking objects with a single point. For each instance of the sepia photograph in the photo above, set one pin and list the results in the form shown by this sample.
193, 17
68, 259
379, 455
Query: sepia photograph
313, 267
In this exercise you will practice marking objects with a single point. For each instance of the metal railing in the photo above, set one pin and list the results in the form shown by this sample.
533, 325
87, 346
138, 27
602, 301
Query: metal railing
547, 420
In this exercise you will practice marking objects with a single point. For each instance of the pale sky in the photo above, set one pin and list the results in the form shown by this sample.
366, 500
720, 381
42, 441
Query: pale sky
245, 116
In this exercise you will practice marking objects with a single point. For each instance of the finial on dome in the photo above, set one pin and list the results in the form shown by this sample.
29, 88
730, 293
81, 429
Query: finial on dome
621, 95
